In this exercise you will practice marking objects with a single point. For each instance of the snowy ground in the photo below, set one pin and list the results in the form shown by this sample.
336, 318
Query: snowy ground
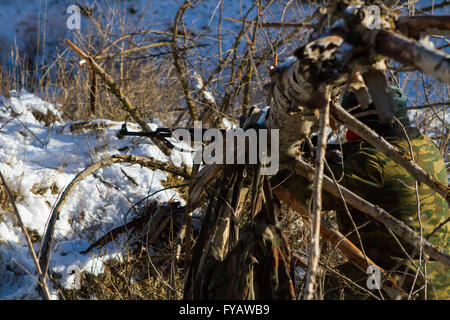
38, 161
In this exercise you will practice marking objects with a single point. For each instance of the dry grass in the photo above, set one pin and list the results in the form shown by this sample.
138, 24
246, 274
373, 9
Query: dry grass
173, 180
133, 278
147, 80
5, 82
145, 270
149, 86
297, 231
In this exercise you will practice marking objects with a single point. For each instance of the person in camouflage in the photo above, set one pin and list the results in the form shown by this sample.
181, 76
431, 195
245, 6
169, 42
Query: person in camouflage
372, 175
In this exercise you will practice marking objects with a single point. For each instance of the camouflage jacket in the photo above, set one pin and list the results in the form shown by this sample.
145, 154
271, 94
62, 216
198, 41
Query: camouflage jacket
377, 178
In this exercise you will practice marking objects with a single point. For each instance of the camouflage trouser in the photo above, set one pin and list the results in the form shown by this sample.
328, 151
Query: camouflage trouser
378, 179
439, 276
438, 281
379, 244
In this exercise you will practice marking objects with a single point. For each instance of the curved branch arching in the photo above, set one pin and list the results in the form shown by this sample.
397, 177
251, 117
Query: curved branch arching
44, 254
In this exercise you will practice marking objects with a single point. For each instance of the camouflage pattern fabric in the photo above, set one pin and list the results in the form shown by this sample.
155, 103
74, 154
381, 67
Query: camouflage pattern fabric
257, 267
378, 179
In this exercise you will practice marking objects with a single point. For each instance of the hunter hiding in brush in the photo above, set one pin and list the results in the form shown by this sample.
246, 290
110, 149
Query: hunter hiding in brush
388, 188
375, 177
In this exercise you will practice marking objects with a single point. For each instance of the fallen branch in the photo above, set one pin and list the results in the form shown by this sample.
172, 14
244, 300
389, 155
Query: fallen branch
42, 276
136, 49
112, 234
117, 91
152, 218
398, 227
54, 215
127, 36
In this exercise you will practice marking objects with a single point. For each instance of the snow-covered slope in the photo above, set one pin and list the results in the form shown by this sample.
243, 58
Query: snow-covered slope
39, 161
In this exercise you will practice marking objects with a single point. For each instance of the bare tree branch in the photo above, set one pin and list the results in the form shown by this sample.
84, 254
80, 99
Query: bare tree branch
430, 105
413, 26
177, 61
432, 62
274, 24
42, 276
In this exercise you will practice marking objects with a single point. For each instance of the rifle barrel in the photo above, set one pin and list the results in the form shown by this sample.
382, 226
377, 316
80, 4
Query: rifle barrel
161, 132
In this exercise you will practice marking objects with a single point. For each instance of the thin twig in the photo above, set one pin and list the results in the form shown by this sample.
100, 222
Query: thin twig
136, 49
430, 105
274, 24
177, 61
314, 253
42, 277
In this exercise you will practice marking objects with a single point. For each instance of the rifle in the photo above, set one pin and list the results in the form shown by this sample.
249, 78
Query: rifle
162, 133
159, 132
